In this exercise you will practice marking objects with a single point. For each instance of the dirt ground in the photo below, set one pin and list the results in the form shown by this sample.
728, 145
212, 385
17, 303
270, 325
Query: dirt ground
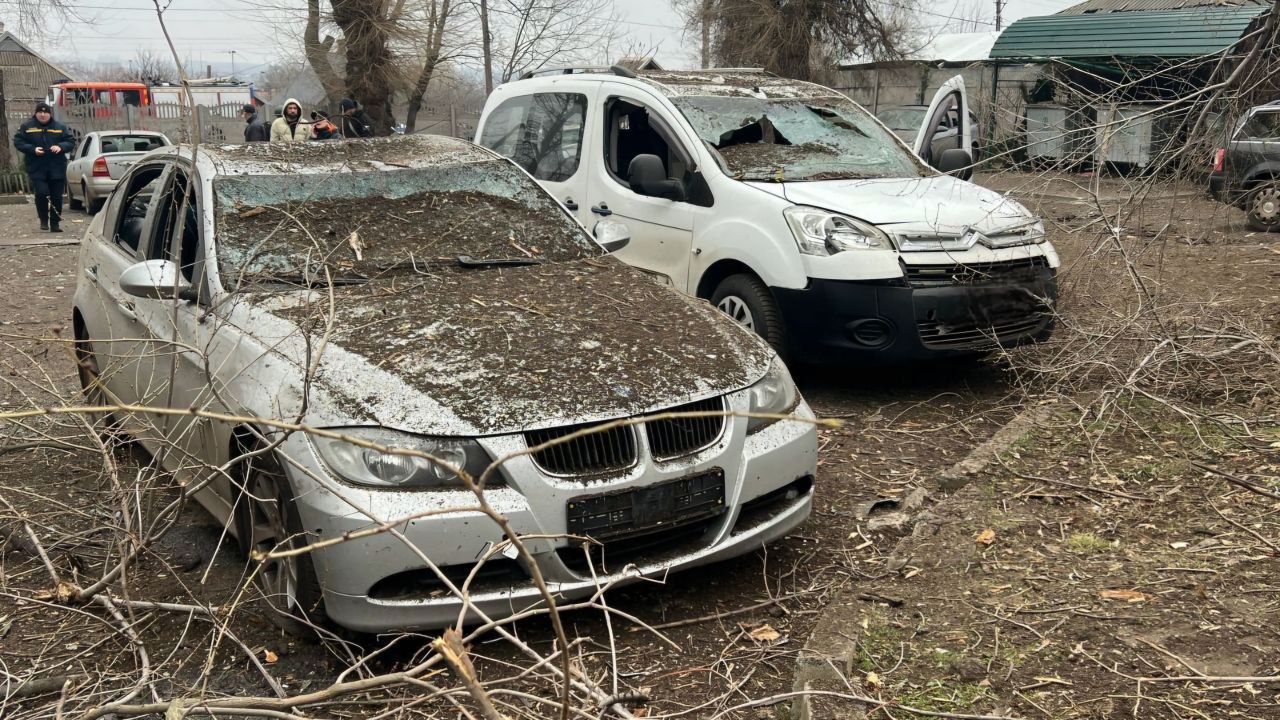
1112, 557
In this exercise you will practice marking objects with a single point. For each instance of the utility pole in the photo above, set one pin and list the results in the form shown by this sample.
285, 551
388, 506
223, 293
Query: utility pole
999, 14
233, 64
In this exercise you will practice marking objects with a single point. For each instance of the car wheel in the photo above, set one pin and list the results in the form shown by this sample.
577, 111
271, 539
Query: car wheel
748, 302
86, 202
95, 394
266, 520
1263, 206
91, 204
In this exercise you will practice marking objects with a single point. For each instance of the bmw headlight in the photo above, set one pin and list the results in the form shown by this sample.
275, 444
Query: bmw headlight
775, 393
365, 466
822, 232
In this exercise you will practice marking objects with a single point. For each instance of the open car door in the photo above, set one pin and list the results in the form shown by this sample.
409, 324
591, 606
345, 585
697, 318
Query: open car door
946, 126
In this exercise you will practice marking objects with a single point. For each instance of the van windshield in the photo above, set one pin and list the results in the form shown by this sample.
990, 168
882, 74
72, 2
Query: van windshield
780, 140
356, 226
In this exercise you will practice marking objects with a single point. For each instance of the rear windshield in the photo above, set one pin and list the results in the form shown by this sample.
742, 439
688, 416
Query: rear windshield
1262, 125
807, 139
293, 228
130, 143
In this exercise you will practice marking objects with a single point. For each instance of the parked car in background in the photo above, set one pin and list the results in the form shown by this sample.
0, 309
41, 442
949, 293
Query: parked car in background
100, 159
908, 122
789, 207
1246, 173
471, 345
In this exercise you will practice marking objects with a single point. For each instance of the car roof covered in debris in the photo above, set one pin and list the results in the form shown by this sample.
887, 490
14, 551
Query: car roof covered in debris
730, 82
329, 156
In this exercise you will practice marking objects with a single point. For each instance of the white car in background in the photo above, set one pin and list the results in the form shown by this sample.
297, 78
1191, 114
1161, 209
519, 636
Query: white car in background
789, 207
100, 159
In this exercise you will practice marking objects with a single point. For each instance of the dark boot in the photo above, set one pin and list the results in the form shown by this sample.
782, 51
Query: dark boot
44, 224
55, 227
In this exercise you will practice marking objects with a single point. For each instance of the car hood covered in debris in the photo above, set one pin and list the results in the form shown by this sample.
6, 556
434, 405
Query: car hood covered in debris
939, 203
495, 351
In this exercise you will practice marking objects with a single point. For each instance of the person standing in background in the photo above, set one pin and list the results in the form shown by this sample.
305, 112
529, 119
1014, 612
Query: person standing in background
355, 124
254, 131
290, 127
45, 142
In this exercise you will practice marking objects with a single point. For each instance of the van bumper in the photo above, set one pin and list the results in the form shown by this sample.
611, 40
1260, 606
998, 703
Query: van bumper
835, 321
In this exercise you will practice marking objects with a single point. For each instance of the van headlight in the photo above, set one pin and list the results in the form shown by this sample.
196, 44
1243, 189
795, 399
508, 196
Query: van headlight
774, 393
822, 232
365, 466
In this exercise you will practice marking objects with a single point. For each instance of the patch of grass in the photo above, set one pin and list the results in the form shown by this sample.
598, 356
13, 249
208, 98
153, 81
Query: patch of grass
1087, 543
942, 696
877, 644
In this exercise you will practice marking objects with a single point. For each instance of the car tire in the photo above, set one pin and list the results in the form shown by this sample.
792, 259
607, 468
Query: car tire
110, 429
266, 519
91, 204
1263, 206
748, 302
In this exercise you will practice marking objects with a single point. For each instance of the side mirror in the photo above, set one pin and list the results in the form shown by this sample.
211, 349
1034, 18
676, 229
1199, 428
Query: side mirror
612, 235
954, 160
155, 280
649, 178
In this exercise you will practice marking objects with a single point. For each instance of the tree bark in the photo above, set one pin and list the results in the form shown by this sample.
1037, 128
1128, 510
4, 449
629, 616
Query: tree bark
6, 157
428, 66
317, 53
486, 45
365, 33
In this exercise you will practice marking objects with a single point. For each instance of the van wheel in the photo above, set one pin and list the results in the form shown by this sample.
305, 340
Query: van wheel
266, 519
747, 300
1263, 206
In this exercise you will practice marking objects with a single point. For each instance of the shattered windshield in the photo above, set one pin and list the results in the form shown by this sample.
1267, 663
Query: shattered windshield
358, 226
797, 139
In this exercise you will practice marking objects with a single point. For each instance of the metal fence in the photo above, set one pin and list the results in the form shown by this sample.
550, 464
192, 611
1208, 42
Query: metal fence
14, 181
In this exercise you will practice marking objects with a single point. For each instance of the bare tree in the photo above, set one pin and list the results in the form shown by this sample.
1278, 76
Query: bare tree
369, 68
148, 66
531, 33
793, 38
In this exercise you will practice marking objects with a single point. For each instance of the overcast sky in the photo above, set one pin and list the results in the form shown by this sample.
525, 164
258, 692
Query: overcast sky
206, 31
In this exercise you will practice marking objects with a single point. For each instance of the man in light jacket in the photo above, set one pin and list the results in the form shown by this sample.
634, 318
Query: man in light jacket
290, 127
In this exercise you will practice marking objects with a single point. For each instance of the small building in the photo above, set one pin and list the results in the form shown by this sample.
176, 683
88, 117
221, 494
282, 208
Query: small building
27, 77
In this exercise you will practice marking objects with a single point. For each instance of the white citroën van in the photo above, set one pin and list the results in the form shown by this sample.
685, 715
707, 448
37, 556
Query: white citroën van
789, 207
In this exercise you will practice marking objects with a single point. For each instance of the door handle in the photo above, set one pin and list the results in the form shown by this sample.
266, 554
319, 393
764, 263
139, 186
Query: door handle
126, 309
91, 272
570, 204
602, 210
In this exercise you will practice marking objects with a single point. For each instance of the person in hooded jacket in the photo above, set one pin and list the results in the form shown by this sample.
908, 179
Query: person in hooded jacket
290, 127
45, 143
355, 123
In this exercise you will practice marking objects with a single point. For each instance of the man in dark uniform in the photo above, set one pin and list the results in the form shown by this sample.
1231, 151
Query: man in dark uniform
355, 124
254, 131
45, 142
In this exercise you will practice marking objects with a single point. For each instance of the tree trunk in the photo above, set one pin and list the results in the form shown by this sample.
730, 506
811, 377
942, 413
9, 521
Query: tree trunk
419, 90
6, 155
365, 33
486, 44
705, 22
317, 53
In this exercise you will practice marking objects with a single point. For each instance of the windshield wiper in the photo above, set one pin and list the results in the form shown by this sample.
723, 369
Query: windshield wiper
467, 261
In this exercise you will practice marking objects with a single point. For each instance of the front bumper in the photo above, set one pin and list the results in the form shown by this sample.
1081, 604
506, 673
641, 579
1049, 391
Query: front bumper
776, 465
923, 317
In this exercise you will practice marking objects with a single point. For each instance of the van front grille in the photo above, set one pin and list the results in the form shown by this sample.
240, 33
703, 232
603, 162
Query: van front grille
595, 453
676, 437
1012, 271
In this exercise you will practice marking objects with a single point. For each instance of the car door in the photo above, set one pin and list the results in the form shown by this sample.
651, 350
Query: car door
183, 374
950, 101
545, 133
633, 122
111, 315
